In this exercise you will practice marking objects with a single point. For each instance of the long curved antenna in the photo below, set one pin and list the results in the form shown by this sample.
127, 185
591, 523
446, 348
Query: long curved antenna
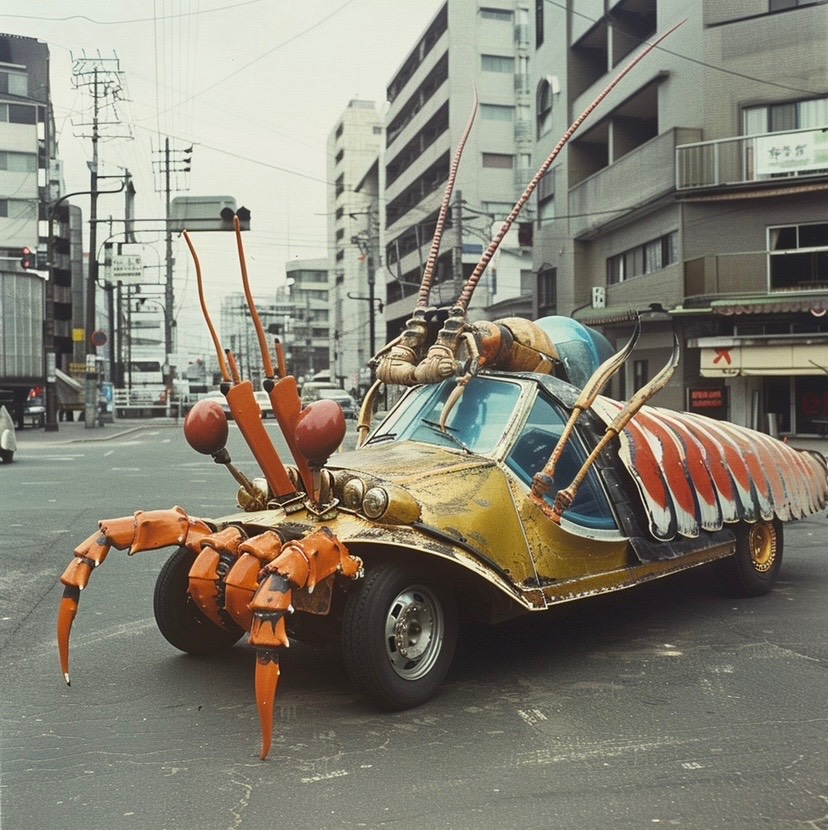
225, 374
266, 360
431, 261
564, 498
468, 290
542, 481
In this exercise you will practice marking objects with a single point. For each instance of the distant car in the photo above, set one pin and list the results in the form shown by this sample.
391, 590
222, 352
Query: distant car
34, 410
343, 398
8, 440
221, 400
263, 399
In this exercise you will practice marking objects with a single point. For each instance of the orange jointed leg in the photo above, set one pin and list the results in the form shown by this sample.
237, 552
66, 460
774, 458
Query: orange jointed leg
300, 564
144, 530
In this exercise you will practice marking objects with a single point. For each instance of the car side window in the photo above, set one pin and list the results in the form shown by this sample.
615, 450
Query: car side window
531, 452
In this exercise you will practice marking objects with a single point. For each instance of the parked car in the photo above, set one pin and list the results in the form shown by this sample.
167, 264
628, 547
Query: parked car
343, 398
263, 399
8, 440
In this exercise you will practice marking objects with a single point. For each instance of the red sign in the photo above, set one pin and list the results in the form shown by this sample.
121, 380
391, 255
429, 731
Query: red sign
708, 400
98, 338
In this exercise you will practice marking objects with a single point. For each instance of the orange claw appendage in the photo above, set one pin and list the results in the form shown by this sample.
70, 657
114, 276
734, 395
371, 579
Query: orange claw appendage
300, 564
145, 530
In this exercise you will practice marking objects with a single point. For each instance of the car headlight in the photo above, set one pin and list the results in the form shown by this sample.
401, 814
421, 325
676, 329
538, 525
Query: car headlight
375, 502
390, 505
352, 494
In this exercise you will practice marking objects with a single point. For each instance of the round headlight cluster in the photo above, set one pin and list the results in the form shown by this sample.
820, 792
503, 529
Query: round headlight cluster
375, 502
352, 494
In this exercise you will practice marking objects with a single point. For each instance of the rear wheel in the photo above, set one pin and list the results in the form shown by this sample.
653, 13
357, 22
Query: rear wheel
753, 569
398, 636
179, 619
7, 456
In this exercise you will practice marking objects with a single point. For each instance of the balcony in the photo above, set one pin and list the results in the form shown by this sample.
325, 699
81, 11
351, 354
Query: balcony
646, 172
749, 159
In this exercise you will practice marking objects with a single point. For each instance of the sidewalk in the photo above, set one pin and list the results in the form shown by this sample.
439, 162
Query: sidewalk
70, 432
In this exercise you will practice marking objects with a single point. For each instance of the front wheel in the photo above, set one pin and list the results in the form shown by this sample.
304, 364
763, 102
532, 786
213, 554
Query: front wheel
7, 456
398, 636
753, 569
178, 617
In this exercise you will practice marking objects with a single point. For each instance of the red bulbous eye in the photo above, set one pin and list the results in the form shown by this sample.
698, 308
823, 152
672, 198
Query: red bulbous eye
205, 427
320, 430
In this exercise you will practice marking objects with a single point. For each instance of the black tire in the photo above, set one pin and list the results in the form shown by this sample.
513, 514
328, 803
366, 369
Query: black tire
399, 631
7, 456
753, 570
178, 617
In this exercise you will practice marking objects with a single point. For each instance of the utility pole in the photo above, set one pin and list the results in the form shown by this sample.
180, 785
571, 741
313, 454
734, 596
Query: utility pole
168, 166
102, 77
367, 242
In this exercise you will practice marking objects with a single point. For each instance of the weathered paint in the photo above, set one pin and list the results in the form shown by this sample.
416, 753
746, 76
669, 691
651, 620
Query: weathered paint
713, 472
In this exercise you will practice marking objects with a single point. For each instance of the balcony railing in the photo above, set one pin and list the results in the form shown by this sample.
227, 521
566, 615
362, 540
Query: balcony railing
754, 158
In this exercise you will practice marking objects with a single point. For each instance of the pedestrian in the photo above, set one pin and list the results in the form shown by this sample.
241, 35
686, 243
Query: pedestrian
102, 407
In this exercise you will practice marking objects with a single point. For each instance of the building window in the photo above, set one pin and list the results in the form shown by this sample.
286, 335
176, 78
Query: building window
790, 115
643, 259
546, 211
497, 63
18, 114
782, 5
497, 112
547, 292
641, 374
503, 15
499, 160
547, 89
18, 162
539, 23
14, 83
798, 256
339, 156
340, 185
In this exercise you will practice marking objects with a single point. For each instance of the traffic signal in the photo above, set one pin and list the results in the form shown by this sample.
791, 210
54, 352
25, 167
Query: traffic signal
28, 260
228, 216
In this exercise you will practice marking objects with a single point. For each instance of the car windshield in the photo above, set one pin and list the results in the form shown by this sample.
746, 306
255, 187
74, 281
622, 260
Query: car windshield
475, 424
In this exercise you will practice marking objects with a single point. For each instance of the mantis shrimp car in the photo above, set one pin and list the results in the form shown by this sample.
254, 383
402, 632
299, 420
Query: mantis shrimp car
501, 483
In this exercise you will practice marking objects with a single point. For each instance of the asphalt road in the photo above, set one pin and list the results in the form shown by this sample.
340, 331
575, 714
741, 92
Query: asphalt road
669, 705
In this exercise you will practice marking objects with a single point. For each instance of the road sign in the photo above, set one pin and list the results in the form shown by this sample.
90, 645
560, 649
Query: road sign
98, 338
126, 268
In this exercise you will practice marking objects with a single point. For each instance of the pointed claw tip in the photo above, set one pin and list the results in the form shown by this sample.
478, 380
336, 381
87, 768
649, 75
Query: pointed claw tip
66, 678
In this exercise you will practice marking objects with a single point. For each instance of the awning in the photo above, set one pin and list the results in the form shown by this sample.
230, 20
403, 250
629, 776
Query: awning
782, 359
782, 303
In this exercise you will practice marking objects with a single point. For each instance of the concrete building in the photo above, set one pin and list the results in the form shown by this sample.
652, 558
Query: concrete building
37, 316
696, 195
469, 44
307, 331
355, 179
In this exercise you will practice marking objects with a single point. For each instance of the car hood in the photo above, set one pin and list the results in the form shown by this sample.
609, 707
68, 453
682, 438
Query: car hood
463, 497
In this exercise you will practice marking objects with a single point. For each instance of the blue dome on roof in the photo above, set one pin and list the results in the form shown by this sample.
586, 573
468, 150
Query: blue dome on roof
581, 349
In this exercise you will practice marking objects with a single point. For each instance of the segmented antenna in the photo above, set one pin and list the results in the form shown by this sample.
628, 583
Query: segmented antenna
431, 261
468, 290
225, 374
266, 361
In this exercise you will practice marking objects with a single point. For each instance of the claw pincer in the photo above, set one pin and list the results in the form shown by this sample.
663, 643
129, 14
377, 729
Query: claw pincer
144, 530
301, 564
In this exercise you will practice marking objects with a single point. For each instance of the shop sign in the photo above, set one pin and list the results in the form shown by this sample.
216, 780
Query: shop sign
708, 400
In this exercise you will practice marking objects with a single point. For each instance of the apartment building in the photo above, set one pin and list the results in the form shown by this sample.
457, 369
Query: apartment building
695, 196
38, 317
469, 45
354, 168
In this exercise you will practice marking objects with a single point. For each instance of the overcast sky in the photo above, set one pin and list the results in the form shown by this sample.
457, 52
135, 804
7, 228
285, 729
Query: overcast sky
254, 85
